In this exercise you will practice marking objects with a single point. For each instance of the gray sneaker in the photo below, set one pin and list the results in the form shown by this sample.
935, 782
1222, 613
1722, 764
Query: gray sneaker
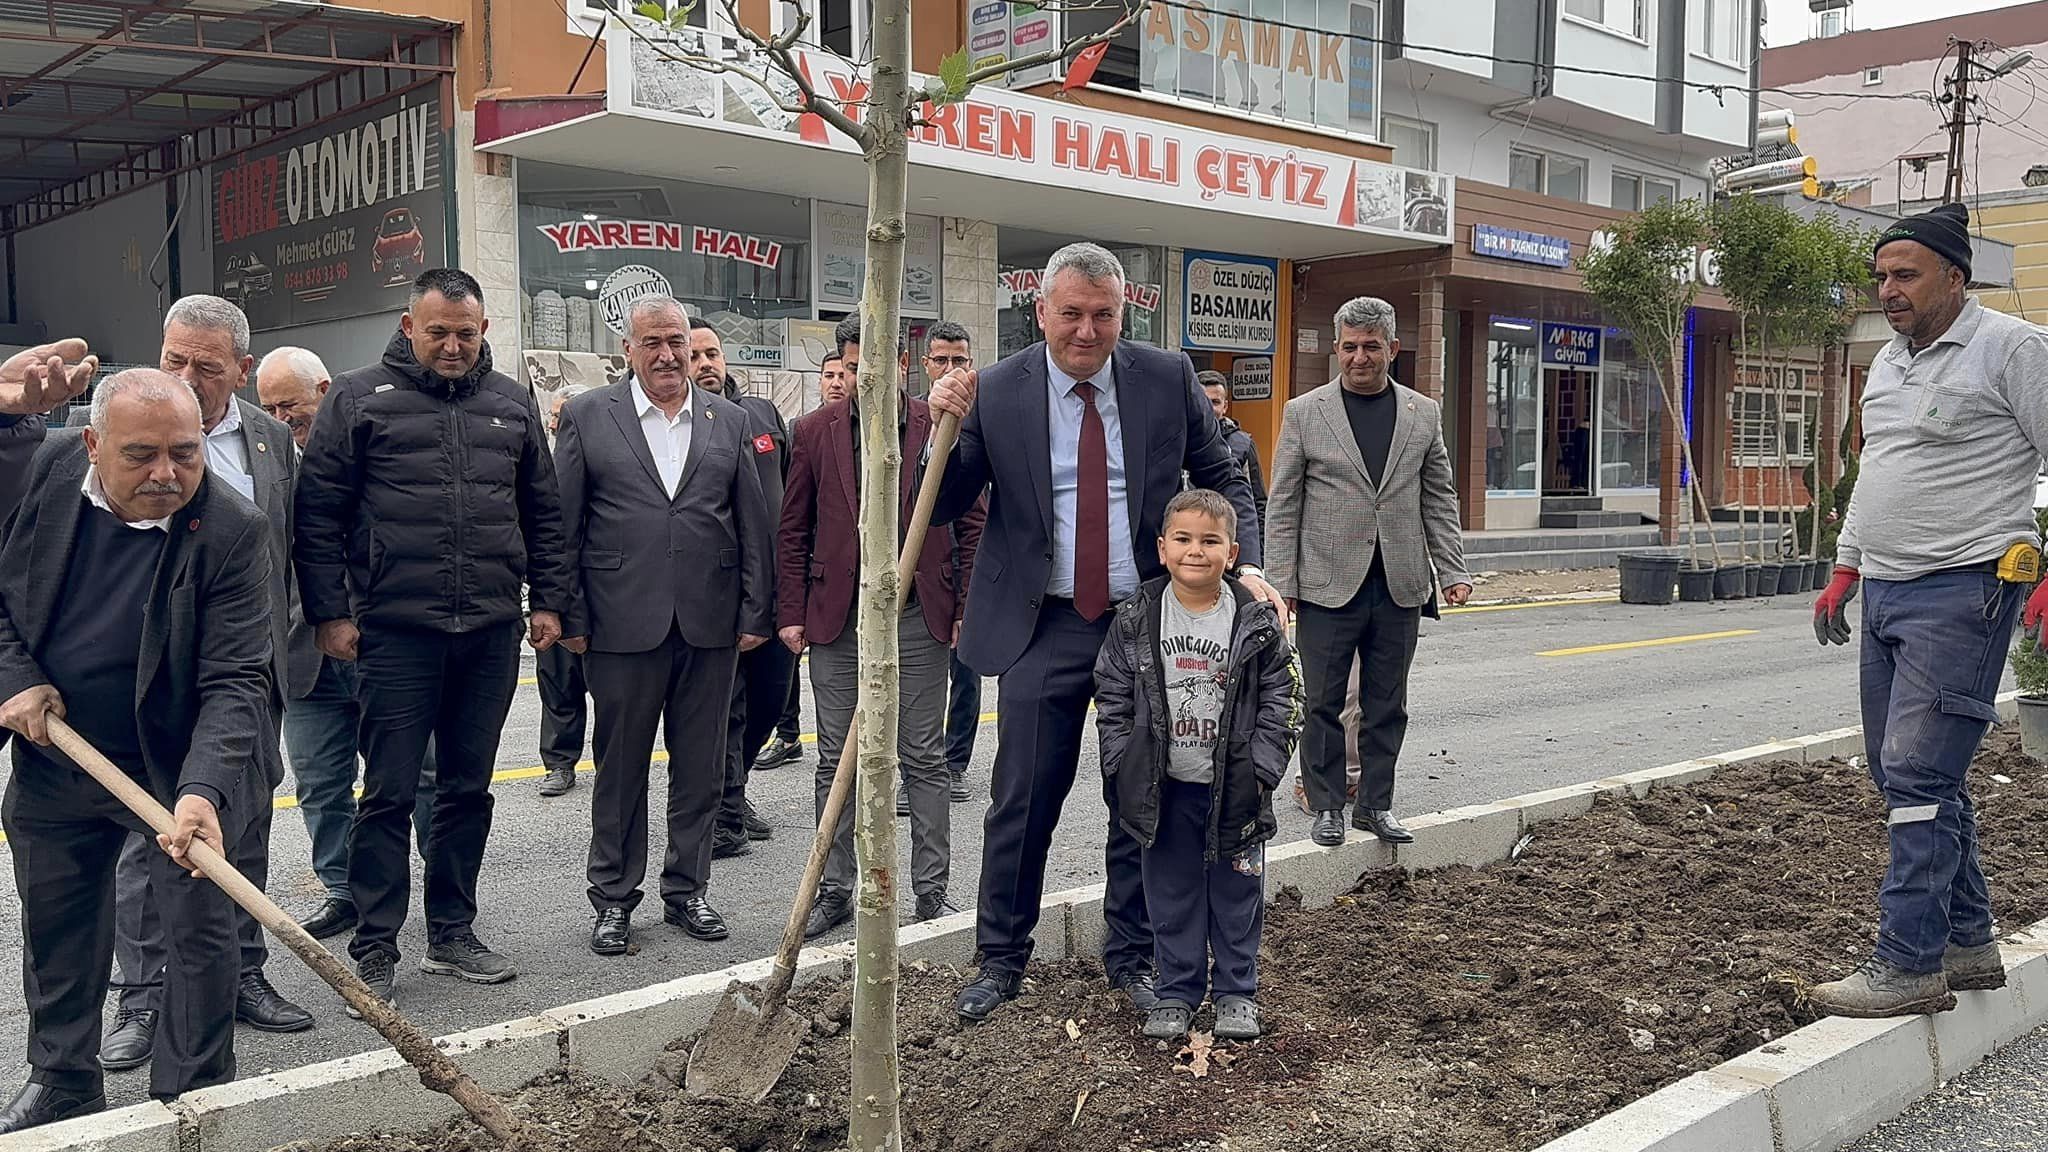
465, 956
1877, 989
1977, 969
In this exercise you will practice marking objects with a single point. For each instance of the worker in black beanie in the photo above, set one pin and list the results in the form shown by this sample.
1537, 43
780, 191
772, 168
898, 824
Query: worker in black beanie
1945, 229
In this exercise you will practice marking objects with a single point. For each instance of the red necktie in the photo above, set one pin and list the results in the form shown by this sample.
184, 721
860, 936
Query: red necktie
1091, 511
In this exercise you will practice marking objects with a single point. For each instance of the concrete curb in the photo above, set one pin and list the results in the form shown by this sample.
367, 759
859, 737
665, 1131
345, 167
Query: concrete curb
1819, 1087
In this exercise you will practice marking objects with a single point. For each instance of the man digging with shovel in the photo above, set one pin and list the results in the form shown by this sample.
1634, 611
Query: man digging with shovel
134, 603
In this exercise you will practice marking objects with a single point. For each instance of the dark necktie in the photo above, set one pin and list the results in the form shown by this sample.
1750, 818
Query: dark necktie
1091, 511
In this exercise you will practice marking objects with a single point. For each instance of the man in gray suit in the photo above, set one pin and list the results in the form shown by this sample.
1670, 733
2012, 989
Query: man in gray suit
671, 538
206, 344
1363, 529
133, 599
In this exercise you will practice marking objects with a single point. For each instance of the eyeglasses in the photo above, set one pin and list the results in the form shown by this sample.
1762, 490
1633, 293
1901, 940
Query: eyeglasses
952, 361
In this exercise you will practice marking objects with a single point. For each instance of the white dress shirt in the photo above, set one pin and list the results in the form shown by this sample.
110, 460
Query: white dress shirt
668, 439
96, 492
227, 453
1063, 421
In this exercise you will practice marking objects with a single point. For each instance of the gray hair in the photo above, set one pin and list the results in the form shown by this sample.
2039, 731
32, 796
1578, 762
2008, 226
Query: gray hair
568, 392
304, 366
1367, 312
213, 314
1094, 262
653, 302
148, 384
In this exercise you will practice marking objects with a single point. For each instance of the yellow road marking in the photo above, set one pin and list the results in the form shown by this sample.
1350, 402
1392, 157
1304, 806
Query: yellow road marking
1658, 643
538, 770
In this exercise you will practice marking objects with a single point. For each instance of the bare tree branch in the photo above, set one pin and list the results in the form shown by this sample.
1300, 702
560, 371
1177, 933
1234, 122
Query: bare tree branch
779, 50
1055, 55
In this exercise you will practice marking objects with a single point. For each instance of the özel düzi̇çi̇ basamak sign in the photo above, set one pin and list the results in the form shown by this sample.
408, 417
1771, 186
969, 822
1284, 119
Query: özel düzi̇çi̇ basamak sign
1229, 302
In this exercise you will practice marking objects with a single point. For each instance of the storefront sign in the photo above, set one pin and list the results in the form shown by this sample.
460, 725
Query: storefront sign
661, 236
1576, 345
1267, 63
1307, 340
334, 223
839, 233
1014, 136
1527, 247
1705, 265
1022, 285
624, 286
1229, 304
1251, 378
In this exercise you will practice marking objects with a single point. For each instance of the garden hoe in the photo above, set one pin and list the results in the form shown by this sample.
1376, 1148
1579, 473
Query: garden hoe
752, 1036
436, 1070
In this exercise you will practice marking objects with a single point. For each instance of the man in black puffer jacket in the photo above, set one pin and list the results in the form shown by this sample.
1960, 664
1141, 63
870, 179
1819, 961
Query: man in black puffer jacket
426, 498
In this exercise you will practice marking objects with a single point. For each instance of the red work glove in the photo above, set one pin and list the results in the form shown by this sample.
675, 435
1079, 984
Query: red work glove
2034, 619
1831, 610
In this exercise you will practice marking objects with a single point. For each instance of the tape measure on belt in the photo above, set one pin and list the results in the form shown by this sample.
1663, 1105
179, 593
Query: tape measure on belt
2021, 564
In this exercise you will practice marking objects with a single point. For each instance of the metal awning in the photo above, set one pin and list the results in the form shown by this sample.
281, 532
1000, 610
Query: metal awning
102, 97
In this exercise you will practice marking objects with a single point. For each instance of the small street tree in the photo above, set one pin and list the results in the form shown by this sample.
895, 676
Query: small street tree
1642, 279
879, 123
1831, 266
1753, 237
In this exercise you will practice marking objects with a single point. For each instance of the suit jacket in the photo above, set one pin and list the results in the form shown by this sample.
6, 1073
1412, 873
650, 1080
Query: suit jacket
203, 688
819, 544
1326, 518
1006, 446
642, 559
274, 466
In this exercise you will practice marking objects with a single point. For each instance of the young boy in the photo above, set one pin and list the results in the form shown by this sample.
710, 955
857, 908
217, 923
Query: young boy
1198, 706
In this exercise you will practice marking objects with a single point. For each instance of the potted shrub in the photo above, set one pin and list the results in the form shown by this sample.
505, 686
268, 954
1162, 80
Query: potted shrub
2030, 672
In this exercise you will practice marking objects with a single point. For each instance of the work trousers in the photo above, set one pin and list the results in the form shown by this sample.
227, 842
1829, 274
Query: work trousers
1933, 654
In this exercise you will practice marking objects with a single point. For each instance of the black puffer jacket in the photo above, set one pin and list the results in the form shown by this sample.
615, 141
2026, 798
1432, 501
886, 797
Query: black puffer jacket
1262, 713
425, 502
1246, 454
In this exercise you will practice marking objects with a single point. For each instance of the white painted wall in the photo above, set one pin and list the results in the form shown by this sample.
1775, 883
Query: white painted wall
1579, 42
1466, 26
1724, 118
1474, 145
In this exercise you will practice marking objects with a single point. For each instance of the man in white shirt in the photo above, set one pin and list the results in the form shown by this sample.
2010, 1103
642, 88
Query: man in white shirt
670, 541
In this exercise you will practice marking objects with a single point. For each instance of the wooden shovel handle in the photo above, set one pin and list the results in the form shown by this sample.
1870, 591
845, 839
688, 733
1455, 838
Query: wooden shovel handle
784, 973
436, 1070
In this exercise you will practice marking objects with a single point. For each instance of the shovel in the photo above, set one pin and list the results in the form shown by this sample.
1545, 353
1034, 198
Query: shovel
752, 1036
436, 1070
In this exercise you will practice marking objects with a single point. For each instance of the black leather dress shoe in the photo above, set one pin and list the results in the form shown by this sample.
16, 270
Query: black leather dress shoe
1382, 825
753, 825
1138, 986
259, 1006
697, 917
1328, 829
39, 1104
130, 1042
558, 781
334, 917
613, 933
985, 993
831, 910
727, 843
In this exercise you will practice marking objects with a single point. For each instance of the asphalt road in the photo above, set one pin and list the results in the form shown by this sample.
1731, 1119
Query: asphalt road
1996, 1105
1503, 702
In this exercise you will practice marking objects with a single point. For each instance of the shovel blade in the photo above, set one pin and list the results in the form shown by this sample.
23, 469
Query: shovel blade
743, 1051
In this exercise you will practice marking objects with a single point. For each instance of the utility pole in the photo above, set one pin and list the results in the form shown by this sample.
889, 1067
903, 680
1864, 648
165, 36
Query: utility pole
1958, 122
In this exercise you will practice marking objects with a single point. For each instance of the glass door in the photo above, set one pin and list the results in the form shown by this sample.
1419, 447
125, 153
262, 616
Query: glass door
1569, 405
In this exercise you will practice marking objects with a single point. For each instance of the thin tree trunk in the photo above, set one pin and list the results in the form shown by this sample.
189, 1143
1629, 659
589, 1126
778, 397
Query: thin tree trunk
1673, 402
874, 1121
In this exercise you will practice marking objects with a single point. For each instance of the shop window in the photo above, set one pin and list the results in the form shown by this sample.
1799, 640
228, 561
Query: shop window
1631, 416
1624, 16
1513, 405
1547, 172
1413, 141
1258, 57
1632, 193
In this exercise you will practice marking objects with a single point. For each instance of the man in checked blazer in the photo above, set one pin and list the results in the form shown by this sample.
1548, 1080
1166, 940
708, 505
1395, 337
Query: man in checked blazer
1362, 529
662, 508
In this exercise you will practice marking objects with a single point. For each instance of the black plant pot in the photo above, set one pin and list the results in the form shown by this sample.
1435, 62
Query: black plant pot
1752, 579
1696, 585
1647, 577
1728, 582
1823, 571
1768, 574
1792, 577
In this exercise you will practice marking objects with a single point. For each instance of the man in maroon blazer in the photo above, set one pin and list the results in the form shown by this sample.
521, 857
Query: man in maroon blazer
819, 555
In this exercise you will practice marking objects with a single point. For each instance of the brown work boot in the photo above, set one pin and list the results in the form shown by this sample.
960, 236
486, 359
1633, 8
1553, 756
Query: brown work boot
1977, 969
1877, 989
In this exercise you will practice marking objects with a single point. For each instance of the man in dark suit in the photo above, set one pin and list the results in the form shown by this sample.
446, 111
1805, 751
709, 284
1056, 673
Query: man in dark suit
133, 603
671, 541
1080, 441
206, 344
819, 551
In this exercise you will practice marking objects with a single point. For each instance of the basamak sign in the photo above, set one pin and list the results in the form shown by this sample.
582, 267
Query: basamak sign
1037, 141
1228, 303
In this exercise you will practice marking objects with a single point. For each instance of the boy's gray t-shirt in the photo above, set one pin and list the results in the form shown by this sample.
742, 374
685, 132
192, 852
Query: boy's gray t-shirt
1196, 649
